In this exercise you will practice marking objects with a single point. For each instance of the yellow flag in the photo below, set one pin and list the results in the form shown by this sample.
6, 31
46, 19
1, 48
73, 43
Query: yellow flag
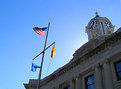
53, 52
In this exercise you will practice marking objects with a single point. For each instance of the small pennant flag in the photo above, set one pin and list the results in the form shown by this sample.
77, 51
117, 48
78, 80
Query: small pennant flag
40, 31
53, 52
34, 67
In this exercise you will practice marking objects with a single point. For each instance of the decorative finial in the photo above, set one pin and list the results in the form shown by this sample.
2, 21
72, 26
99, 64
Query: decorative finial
96, 14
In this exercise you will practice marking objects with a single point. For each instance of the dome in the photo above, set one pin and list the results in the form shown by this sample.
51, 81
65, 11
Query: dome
99, 26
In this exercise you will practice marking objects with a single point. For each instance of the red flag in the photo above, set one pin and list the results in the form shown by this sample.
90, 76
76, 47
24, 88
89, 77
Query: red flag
40, 31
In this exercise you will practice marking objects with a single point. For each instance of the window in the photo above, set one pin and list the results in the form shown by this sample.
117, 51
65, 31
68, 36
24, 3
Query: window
89, 82
67, 87
118, 69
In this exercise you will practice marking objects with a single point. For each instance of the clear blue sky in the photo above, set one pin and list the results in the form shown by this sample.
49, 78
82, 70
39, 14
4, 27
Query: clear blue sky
19, 43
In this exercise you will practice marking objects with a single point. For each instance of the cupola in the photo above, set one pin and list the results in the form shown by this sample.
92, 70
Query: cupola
98, 27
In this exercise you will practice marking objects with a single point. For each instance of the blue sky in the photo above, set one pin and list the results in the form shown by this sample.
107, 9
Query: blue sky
19, 43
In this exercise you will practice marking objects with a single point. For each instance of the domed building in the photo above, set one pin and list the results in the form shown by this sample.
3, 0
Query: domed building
95, 65
99, 27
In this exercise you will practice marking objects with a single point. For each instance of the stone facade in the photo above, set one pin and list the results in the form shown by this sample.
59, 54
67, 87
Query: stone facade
96, 58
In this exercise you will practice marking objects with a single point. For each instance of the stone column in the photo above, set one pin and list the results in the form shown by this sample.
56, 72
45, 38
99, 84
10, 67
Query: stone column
100, 28
108, 80
78, 83
72, 84
98, 78
59, 86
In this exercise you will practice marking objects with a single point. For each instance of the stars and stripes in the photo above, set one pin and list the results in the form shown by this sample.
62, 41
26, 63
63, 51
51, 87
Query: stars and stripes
40, 31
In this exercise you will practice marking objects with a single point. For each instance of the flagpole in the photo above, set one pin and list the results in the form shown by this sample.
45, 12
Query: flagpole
40, 72
43, 51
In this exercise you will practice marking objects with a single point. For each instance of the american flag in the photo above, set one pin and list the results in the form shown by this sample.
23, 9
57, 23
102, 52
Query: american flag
40, 31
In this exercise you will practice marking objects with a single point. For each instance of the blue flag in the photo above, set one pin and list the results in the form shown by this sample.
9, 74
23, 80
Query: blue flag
34, 67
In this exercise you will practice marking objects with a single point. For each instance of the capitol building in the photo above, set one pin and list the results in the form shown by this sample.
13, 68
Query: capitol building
95, 65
